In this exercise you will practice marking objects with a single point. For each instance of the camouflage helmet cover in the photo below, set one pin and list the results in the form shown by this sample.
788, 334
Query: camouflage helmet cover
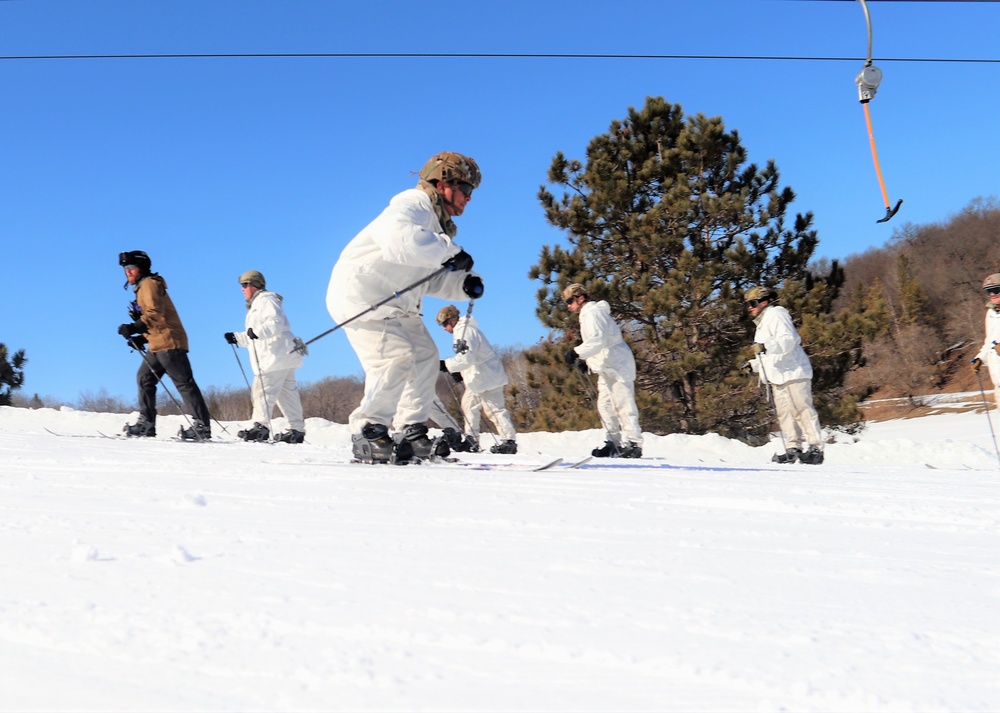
992, 281
574, 290
759, 293
452, 167
447, 314
254, 278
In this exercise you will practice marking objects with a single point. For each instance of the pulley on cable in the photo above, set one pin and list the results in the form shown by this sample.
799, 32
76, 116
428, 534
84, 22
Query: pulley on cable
868, 80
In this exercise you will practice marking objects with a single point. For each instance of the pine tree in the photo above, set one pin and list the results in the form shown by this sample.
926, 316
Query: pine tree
668, 222
11, 373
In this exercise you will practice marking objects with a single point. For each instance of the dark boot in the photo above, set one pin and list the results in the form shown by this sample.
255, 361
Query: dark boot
630, 450
508, 446
198, 432
291, 436
373, 444
608, 450
471, 445
789, 456
140, 428
423, 447
257, 432
813, 456
454, 440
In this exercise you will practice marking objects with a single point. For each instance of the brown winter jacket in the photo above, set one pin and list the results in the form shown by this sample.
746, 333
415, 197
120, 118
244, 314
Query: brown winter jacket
157, 312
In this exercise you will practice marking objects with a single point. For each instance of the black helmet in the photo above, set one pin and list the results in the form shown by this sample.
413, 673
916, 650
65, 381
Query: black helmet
138, 258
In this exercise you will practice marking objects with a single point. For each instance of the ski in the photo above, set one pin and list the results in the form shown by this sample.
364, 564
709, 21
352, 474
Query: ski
78, 435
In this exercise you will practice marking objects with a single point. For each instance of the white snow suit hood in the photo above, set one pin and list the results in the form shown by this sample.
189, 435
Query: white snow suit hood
784, 359
603, 347
481, 367
403, 245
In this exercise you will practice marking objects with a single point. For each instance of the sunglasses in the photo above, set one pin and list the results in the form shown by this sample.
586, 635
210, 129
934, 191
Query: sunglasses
244, 284
992, 290
465, 187
571, 300
754, 303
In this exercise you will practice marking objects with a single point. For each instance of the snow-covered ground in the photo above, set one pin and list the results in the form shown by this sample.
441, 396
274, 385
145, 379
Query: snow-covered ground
153, 575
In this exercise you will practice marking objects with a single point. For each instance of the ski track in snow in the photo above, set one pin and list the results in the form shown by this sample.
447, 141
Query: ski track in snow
155, 575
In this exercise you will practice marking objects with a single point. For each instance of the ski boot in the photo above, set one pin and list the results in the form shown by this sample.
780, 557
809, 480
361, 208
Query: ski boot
373, 444
423, 447
258, 432
789, 456
454, 440
608, 450
141, 428
472, 445
813, 456
197, 432
290, 436
508, 446
630, 450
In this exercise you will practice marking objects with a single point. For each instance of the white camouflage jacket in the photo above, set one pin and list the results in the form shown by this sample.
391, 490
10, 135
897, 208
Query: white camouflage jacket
784, 359
401, 246
481, 367
272, 349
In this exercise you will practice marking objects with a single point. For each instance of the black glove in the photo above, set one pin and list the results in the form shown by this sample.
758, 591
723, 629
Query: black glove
457, 376
745, 366
250, 333
473, 286
443, 367
138, 342
462, 261
136, 327
230, 337
571, 356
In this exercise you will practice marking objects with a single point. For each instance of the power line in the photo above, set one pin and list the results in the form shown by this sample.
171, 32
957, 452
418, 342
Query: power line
499, 55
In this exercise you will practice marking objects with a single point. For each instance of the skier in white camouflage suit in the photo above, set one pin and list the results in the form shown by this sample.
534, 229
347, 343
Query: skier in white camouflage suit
606, 354
990, 351
275, 354
484, 377
781, 362
411, 240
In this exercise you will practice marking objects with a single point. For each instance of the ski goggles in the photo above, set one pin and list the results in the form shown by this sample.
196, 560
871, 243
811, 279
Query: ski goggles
992, 290
466, 188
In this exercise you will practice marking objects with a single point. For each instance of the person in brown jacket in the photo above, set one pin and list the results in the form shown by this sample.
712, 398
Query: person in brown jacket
157, 325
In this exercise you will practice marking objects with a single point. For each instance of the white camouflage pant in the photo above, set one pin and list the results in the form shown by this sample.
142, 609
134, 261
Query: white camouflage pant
793, 403
491, 403
401, 366
616, 406
277, 388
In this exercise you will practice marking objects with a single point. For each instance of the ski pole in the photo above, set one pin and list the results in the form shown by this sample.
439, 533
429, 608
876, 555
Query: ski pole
245, 379
461, 346
390, 298
986, 408
260, 375
770, 399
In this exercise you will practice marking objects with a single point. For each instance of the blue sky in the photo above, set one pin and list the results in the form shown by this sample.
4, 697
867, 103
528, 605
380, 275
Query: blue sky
219, 165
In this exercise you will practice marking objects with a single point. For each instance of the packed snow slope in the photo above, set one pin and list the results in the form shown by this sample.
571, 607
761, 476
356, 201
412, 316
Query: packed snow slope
154, 575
